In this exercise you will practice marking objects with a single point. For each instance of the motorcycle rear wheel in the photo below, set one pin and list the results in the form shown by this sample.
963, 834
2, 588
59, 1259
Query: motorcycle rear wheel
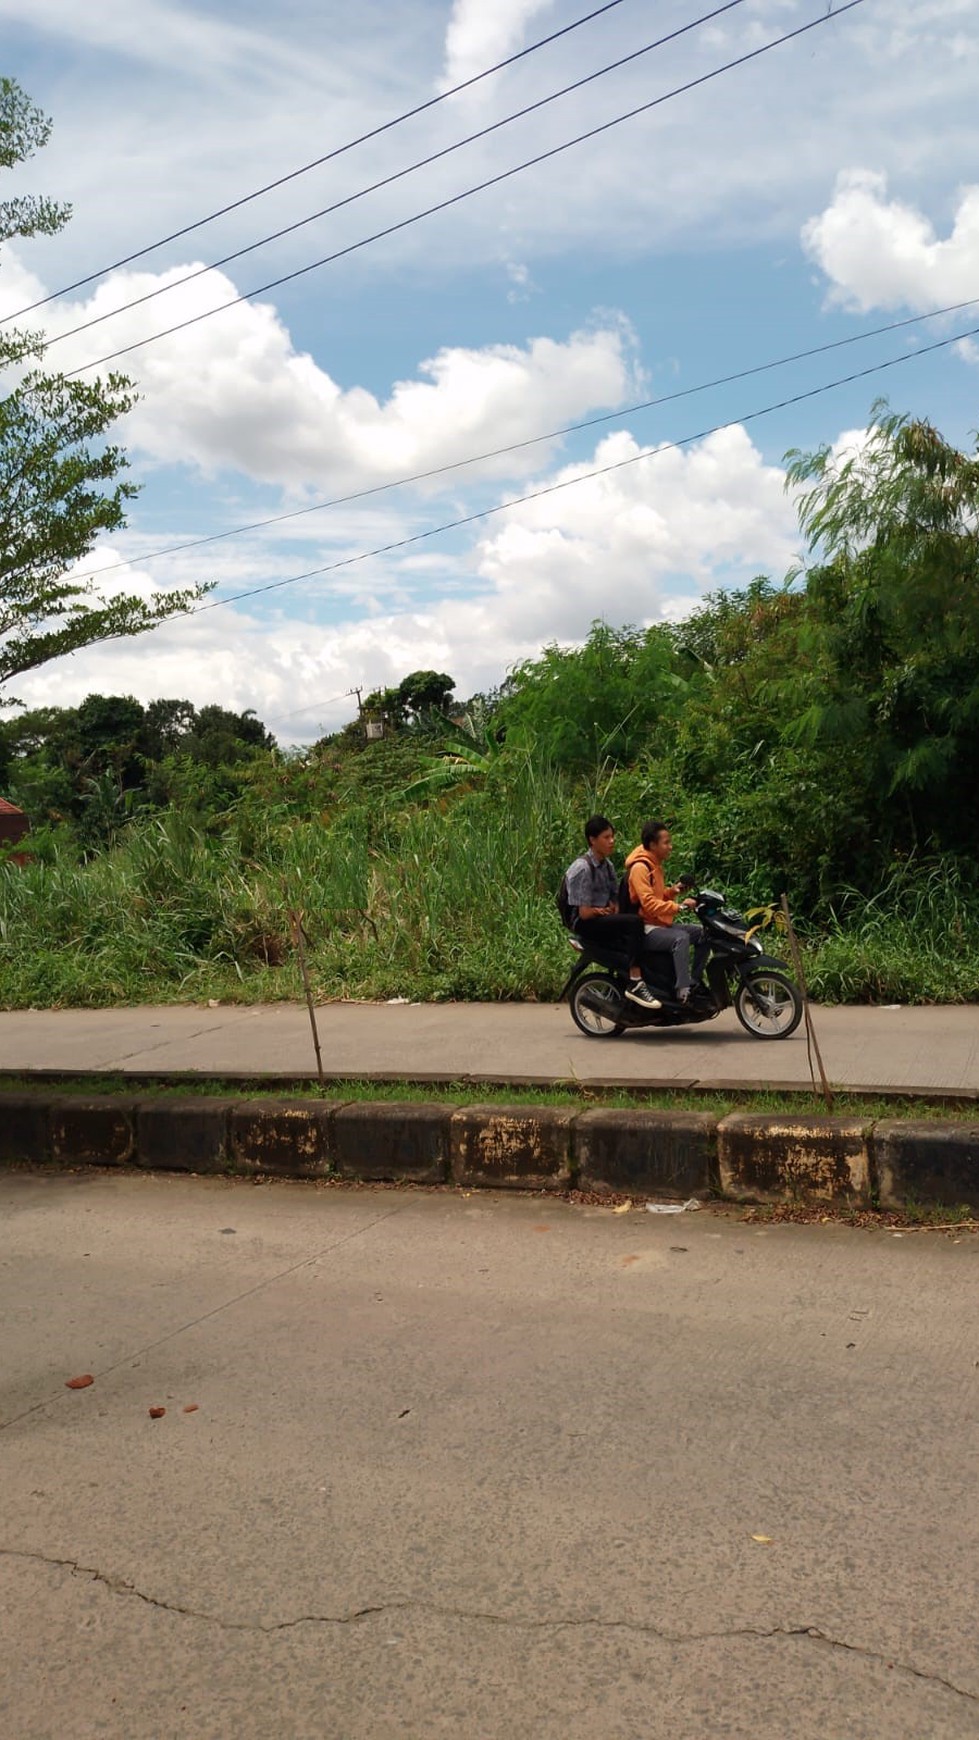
596, 1007
768, 1005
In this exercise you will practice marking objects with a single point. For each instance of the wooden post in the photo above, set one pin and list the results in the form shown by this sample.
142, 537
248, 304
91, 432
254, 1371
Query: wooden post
812, 1043
296, 926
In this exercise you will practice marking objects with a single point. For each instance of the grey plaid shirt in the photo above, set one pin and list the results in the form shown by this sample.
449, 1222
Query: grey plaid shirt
591, 882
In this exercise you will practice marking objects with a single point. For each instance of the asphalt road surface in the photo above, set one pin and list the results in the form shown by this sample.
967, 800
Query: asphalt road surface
933, 1050
478, 1466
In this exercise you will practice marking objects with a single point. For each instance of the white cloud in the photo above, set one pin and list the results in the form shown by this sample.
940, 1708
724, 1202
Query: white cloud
639, 545
233, 392
673, 522
140, 152
522, 286
481, 32
882, 253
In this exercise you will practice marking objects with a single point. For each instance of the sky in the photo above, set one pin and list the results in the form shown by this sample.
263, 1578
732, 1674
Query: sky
825, 188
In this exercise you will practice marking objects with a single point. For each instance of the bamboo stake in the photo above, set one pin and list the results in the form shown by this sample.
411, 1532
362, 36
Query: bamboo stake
812, 1043
296, 926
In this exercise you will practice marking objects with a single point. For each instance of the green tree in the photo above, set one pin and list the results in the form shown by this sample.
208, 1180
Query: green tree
890, 646
220, 738
423, 693
60, 479
582, 708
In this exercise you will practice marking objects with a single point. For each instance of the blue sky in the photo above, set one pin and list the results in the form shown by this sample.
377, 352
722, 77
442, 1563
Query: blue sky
830, 186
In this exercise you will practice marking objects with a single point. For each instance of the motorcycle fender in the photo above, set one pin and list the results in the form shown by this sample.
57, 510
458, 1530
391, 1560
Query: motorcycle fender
575, 973
746, 968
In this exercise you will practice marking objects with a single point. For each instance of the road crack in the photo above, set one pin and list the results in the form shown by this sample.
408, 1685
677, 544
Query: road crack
121, 1586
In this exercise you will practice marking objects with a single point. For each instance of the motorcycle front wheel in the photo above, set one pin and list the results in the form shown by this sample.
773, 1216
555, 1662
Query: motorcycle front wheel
768, 1005
596, 1007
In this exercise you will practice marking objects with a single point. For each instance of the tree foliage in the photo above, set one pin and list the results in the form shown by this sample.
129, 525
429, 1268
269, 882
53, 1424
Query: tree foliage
419, 697
61, 482
892, 620
603, 702
93, 766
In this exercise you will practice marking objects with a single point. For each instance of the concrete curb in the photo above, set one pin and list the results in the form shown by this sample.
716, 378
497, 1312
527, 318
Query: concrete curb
816, 1158
282, 1081
742, 1157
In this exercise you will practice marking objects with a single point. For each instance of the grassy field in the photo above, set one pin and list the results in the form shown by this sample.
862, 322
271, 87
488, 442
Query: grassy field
449, 900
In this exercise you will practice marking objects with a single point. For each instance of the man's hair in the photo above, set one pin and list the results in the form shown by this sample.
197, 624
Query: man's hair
596, 825
651, 833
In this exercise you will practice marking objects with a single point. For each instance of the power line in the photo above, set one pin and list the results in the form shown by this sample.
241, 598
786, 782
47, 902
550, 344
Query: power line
583, 477
537, 440
397, 175
317, 162
467, 193
280, 718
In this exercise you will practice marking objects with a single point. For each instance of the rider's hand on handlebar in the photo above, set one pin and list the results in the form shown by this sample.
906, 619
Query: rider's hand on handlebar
689, 904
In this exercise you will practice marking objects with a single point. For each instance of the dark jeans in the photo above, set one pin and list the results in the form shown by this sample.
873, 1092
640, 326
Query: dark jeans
677, 940
617, 931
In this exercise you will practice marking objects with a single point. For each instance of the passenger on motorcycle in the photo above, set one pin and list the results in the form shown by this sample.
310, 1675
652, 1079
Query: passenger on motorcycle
659, 905
592, 889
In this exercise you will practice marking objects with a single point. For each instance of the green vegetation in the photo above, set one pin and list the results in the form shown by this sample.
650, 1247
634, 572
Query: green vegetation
817, 736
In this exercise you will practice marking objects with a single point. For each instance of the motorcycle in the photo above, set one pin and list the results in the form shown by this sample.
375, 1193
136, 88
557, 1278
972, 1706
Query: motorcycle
737, 971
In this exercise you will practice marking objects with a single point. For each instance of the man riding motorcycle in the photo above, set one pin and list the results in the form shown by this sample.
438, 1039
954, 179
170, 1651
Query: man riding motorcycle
658, 905
592, 888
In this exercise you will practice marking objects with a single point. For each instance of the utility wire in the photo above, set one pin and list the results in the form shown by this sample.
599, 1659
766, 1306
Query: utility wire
279, 718
583, 477
536, 440
317, 162
467, 193
397, 175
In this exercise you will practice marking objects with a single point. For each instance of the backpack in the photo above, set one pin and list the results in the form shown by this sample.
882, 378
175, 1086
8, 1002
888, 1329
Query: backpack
563, 904
626, 903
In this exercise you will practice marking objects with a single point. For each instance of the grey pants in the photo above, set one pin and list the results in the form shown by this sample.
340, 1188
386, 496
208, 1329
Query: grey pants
677, 939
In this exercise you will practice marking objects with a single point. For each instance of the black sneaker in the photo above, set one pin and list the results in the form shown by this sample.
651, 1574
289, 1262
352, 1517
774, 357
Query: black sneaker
640, 993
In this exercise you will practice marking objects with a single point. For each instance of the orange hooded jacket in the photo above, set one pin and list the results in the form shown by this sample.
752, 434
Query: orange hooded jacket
647, 887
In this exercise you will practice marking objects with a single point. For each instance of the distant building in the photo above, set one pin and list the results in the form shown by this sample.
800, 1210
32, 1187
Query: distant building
13, 824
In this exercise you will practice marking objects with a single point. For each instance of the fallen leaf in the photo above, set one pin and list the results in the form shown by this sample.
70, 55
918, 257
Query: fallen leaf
157, 1413
191, 1407
763, 1540
80, 1383
627, 1261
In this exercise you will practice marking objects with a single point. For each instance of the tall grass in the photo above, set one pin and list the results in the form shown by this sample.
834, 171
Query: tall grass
913, 939
452, 901
455, 900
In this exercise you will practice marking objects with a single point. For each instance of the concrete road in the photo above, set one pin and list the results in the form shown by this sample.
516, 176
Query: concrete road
479, 1467
931, 1050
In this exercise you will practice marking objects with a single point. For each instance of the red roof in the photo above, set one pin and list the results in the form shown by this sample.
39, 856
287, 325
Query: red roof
9, 809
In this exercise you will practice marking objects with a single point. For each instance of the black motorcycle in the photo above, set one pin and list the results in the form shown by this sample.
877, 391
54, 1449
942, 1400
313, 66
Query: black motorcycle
737, 970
